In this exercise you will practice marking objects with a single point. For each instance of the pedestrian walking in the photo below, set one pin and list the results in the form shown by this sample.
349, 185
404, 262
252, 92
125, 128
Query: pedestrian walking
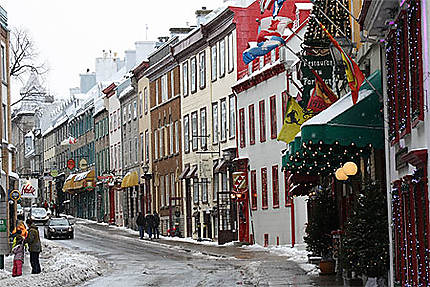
155, 226
140, 222
34, 246
149, 224
18, 252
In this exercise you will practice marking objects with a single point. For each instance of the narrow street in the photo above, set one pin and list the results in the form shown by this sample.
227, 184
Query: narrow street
135, 262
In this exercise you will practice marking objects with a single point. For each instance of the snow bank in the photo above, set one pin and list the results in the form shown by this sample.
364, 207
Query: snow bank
60, 267
297, 254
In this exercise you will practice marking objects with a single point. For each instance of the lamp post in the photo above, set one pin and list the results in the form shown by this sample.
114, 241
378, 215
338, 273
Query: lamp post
147, 176
339, 70
228, 155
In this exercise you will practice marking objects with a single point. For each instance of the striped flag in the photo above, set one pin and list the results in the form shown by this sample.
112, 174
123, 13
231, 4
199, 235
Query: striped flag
69, 141
353, 73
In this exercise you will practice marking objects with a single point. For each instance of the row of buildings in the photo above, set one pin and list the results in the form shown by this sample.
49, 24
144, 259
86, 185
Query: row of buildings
182, 125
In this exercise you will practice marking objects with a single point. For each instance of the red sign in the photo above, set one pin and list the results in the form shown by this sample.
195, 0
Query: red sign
239, 181
71, 164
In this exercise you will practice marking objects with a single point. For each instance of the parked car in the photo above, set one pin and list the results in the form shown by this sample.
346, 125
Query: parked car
69, 217
58, 227
39, 215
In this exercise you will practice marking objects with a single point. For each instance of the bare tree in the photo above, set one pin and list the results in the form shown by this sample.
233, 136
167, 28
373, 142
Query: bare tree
23, 54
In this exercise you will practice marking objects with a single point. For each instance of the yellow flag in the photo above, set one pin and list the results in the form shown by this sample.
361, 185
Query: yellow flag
294, 118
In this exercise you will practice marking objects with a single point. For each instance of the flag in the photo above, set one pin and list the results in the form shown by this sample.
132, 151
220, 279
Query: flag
69, 141
322, 96
294, 118
353, 73
270, 36
268, 4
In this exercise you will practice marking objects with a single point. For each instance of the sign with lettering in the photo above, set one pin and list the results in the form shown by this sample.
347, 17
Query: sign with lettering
323, 65
29, 188
3, 225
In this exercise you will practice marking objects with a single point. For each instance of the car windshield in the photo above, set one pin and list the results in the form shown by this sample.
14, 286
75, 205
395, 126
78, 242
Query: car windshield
59, 222
39, 212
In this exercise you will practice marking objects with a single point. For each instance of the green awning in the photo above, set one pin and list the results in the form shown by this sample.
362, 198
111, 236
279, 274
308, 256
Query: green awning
348, 124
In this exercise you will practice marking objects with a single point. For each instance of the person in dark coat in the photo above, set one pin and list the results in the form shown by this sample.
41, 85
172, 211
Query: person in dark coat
34, 246
149, 224
156, 224
141, 222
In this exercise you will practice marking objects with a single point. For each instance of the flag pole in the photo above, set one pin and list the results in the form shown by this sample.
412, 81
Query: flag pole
365, 79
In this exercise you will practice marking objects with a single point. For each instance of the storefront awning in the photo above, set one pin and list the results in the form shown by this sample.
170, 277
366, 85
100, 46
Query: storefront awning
184, 172
130, 179
84, 179
69, 183
345, 123
193, 172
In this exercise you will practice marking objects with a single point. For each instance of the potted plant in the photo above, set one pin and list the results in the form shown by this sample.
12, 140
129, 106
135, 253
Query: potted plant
322, 220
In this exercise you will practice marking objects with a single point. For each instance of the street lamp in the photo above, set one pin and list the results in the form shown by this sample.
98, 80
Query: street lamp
347, 46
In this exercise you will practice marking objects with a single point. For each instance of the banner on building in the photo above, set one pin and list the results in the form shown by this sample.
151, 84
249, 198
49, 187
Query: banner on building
28, 188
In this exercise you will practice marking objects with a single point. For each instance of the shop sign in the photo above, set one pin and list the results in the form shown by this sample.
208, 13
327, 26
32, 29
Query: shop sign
239, 181
323, 65
71, 164
15, 195
83, 164
28, 188
54, 173
3, 225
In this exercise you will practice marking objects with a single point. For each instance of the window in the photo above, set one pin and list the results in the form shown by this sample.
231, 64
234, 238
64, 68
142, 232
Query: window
140, 103
5, 118
202, 69
215, 186
185, 79
156, 92
186, 134
214, 62
162, 191
168, 189
147, 146
223, 120
215, 131
193, 75
172, 84
155, 144
224, 182
142, 148
163, 142
195, 191
145, 100
164, 88
111, 123
136, 150
230, 53
3, 63
134, 109
119, 119
130, 157
284, 96
177, 137
253, 189
251, 124
232, 122
242, 127
171, 142
264, 187
129, 111
288, 198
204, 183
222, 58
194, 126
172, 185
273, 124
262, 122
203, 139
275, 186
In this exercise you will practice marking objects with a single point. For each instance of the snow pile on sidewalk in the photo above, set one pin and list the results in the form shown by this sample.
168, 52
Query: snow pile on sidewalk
60, 267
297, 254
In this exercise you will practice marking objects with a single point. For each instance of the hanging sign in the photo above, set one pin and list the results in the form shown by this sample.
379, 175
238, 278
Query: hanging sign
54, 173
15, 195
83, 164
239, 181
71, 164
323, 65
29, 188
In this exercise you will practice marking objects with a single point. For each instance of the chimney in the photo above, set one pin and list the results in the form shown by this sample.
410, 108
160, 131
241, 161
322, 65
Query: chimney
201, 15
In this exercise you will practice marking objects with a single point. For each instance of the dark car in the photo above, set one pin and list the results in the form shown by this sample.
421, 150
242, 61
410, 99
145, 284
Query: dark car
58, 227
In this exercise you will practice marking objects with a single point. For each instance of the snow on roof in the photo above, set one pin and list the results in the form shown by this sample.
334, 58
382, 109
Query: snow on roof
61, 121
126, 91
304, 6
257, 72
47, 131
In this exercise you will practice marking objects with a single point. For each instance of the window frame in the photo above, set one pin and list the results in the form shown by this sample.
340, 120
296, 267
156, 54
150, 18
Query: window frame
223, 105
231, 117
230, 52
275, 186
215, 123
195, 131
273, 118
193, 71
253, 189
202, 70
186, 134
185, 79
242, 140
251, 119
262, 114
264, 192
221, 58
203, 128
214, 62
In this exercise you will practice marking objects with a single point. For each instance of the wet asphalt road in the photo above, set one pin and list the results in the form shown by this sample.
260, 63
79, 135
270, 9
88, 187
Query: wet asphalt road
134, 262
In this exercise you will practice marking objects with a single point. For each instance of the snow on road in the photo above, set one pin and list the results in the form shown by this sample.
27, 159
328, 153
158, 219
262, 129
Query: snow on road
60, 267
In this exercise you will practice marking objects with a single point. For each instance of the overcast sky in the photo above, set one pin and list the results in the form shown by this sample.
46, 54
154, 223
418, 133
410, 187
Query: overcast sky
70, 34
